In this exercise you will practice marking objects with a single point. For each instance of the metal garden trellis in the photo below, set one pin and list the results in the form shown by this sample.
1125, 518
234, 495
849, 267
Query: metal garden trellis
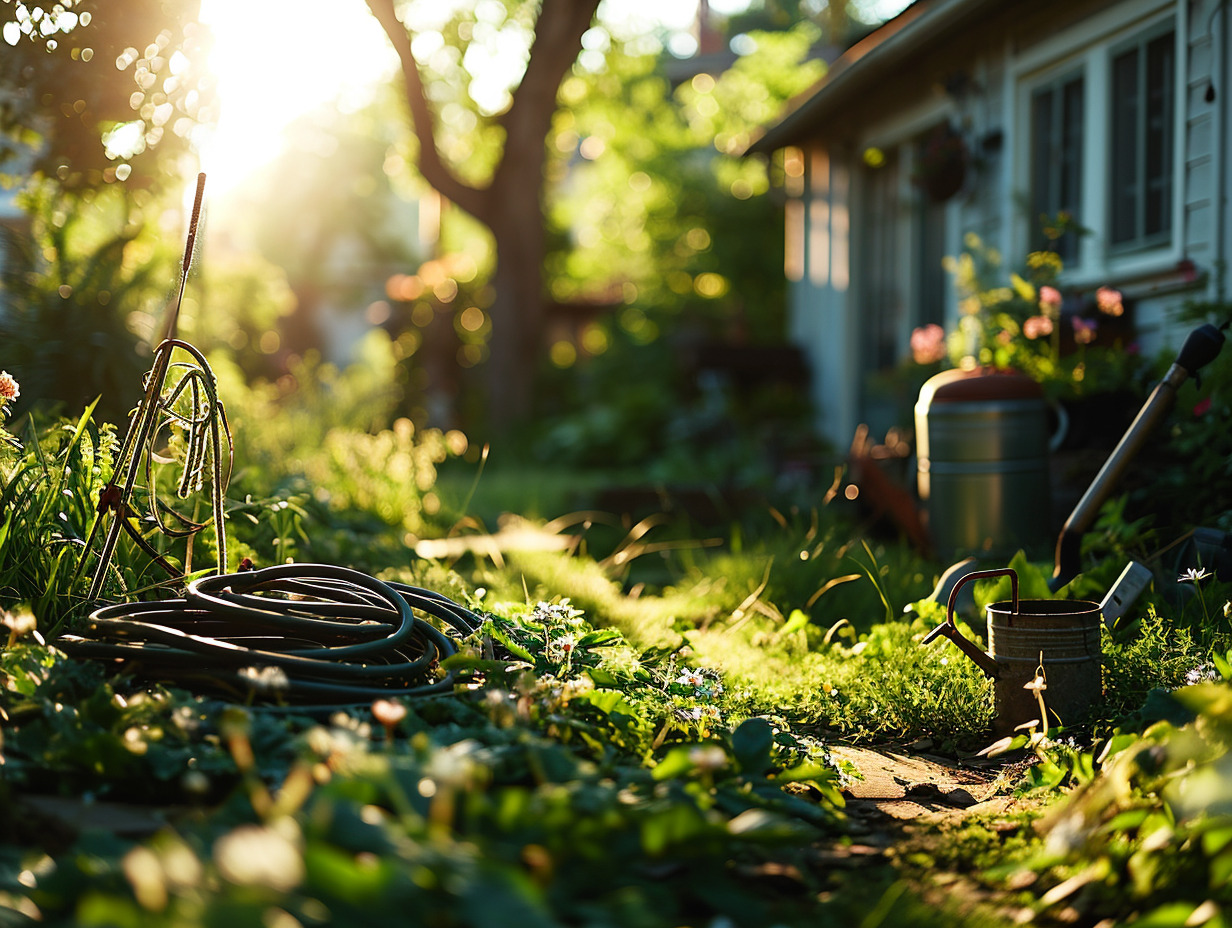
182, 394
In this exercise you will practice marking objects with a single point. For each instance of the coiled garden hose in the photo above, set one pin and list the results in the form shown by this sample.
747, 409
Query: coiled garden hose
332, 635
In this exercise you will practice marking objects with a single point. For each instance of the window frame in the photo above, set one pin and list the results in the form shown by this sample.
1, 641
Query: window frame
1141, 240
1056, 86
1090, 51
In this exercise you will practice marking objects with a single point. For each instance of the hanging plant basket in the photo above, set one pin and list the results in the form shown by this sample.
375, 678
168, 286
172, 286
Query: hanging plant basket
941, 167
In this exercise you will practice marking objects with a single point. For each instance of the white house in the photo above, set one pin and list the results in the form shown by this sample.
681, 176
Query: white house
1114, 110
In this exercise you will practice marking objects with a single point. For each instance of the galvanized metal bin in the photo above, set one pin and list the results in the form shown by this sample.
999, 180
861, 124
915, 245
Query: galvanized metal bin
982, 461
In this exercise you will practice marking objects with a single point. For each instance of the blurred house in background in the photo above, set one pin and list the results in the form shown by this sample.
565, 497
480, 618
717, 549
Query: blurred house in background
980, 116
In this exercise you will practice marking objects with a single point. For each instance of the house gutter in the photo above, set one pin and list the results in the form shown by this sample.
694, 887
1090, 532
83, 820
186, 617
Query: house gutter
924, 23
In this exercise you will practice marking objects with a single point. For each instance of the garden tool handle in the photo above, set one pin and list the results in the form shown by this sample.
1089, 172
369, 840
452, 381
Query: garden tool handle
984, 661
1200, 348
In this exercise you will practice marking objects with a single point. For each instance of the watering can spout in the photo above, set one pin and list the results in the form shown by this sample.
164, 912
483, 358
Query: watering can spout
986, 662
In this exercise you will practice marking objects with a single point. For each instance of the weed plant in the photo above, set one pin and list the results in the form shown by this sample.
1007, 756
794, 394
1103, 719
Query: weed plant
49, 486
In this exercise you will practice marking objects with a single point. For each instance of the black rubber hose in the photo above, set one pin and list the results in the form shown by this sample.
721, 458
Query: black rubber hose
335, 635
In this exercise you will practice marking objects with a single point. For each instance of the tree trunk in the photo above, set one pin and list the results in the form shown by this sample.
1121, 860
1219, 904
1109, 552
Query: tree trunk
516, 343
511, 205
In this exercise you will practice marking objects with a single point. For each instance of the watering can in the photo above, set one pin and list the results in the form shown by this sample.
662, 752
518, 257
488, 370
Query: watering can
1057, 639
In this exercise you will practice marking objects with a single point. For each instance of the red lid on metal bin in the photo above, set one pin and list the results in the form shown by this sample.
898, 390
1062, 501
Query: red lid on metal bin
977, 385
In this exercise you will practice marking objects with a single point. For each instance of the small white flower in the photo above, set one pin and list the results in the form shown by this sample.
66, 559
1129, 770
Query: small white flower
19, 623
560, 612
691, 678
453, 764
560, 648
1203, 673
1193, 575
579, 687
266, 680
255, 855
388, 712
708, 757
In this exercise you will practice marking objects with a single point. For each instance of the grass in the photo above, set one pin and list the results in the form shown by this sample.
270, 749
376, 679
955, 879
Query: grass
680, 696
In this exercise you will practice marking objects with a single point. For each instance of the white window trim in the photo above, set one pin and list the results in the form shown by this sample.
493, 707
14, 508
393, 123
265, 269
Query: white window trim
1088, 48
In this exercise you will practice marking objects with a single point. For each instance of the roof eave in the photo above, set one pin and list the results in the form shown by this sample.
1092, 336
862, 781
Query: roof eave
919, 25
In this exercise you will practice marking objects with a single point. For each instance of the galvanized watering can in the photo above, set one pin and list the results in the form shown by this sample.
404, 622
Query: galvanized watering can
1061, 637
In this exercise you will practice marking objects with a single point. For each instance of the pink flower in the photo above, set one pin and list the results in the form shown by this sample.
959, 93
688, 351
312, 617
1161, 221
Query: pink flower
9, 388
1202, 407
928, 344
1049, 299
1037, 327
1108, 301
1084, 330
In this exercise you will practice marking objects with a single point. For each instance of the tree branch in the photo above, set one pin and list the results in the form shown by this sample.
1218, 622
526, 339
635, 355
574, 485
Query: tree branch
433, 169
558, 39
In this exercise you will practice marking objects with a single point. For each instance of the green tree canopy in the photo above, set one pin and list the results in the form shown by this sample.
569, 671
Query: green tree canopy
95, 92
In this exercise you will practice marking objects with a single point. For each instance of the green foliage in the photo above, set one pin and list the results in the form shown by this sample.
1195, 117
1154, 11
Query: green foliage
533, 794
1149, 834
641, 231
331, 474
81, 290
684, 724
651, 210
1193, 451
48, 491
73, 728
1020, 319
73, 75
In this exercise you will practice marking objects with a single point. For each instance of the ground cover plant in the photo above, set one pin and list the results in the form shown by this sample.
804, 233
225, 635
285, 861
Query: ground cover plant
637, 728
615, 755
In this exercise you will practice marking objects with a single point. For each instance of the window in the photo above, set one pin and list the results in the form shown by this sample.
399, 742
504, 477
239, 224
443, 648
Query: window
1101, 143
1056, 157
1140, 162
882, 312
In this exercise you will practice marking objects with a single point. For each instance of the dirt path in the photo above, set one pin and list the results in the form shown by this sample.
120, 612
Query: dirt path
909, 787
903, 794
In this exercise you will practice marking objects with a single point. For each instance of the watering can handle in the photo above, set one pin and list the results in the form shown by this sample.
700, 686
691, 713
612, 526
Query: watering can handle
986, 662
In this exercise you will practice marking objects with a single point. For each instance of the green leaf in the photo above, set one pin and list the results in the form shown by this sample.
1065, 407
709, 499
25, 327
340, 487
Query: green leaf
798, 620
1216, 837
807, 772
513, 647
1044, 775
677, 824
751, 743
601, 677
1169, 915
1126, 821
600, 637
470, 662
503, 897
677, 762
1223, 663
1116, 744
1207, 699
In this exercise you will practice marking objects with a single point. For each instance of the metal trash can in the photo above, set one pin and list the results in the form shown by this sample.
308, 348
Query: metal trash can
982, 460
